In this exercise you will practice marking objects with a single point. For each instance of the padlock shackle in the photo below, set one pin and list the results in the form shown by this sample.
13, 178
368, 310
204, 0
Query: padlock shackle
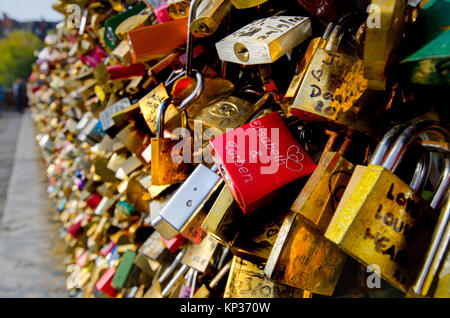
411, 133
196, 93
189, 46
385, 144
336, 32
421, 172
160, 117
436, 252
406, 138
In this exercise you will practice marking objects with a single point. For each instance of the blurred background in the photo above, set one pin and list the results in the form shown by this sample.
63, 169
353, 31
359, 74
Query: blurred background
27, 224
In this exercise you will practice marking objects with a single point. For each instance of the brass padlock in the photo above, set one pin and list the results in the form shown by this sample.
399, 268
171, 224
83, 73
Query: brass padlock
301, 256
247, 280
178, 9
244, 4
380, 219
334, 87
208, 17
265, 40
381, 41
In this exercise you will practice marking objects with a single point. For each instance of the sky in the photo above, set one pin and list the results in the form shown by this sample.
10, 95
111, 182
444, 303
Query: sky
30, 10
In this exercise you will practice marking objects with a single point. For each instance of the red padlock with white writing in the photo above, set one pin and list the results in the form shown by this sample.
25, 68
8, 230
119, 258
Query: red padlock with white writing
258, 159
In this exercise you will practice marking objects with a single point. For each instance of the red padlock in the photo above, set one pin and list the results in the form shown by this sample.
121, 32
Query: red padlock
120, 72
93, 201
174, 243
258, 159
325, 10
161, 13
104, 283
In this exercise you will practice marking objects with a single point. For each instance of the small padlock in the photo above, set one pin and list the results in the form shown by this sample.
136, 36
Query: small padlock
178, 9
198, 256
209, 16
255, 169
190, 197
164, 170
264, 40
381, 220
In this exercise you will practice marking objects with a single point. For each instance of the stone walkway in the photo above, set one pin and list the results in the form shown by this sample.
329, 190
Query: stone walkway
31, 252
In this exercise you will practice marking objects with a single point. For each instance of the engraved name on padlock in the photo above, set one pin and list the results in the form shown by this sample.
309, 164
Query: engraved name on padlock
264, 40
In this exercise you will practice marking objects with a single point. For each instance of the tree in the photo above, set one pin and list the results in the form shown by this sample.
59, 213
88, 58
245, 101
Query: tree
17, 56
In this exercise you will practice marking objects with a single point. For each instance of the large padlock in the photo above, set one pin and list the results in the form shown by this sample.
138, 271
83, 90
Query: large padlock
256, 168
382, 221
334, 87
265, 40
294, 259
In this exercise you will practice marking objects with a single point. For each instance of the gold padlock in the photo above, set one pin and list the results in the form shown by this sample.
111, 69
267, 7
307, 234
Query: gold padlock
301, 256
382, 40
164, 169
380, 220
247, 280
209, 17
334, 87
178, 9
244, 4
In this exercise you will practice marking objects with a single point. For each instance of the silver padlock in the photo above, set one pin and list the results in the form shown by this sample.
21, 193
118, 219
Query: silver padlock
191, 195
264, 40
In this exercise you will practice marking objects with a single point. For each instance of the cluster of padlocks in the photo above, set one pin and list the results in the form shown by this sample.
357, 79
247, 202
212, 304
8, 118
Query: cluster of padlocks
259, 148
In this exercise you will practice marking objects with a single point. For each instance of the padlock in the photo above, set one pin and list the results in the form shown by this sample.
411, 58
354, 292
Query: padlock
164, 169
325, 10
190, 198
381, 41
271, 159
111, 24
170, 35
208, 17
205, 291
380, 219
247, 280
245, 4
123, 270
264, 40
334, 87
106, 116
178, 9
294, 259
198, 256
162, 14
133, 22
222, 219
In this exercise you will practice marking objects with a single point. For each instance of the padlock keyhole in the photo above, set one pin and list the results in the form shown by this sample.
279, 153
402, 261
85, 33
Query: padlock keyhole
241, 52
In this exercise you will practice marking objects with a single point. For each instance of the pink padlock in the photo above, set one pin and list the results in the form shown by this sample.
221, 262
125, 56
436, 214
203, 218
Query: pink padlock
258, 159
161, 13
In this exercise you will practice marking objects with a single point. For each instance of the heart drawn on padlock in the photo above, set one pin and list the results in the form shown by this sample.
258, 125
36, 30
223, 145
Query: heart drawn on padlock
294, 158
